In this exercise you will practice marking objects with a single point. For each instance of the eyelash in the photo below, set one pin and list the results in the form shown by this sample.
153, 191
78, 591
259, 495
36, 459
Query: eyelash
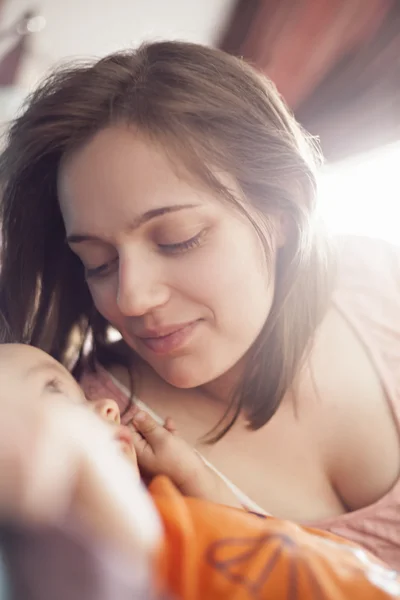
178, 248
55, 385
100, 271
182, 246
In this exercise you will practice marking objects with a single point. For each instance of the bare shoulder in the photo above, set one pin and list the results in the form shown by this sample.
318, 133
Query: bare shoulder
351, 417
372, 261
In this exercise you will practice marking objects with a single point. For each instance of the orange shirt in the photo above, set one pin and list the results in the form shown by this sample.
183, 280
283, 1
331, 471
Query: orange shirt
215, 552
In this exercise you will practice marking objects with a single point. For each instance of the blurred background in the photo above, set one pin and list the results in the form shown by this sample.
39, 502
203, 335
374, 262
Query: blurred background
336, 63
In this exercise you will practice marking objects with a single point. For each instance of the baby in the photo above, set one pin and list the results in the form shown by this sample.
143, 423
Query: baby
203, 549
149, 447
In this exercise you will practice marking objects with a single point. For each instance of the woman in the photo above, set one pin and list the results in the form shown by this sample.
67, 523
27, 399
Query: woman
168, 193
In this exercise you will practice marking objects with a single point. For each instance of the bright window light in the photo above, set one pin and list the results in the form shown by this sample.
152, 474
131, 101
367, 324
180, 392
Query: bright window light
361, 195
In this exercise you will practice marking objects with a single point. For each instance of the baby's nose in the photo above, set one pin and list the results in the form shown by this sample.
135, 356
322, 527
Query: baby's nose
108, 410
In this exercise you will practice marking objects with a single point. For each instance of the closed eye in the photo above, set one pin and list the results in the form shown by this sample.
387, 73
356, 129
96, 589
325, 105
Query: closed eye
101, 270
180, 247
55, 386
184, 246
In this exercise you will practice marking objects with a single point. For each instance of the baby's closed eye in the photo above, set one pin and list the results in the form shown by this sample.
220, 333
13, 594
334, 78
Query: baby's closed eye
64, 389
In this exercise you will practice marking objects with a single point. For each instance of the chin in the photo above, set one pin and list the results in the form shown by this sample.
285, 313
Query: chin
182, 381
183, 378
189, 374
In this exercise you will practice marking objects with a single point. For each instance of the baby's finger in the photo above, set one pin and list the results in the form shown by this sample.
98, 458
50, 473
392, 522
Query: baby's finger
169, 425
152, 432
139, 442
143, 450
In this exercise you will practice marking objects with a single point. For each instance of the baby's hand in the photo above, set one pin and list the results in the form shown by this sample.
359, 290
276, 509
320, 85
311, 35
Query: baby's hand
160, 451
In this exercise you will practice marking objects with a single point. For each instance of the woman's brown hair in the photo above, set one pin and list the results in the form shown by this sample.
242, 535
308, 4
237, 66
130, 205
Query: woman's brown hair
217, 115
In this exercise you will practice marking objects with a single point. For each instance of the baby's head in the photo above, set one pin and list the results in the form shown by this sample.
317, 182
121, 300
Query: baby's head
29, 375
27, 371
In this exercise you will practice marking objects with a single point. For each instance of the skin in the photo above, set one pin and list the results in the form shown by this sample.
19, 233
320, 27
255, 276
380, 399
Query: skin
147, 274
187, 264
28, 373
59, 458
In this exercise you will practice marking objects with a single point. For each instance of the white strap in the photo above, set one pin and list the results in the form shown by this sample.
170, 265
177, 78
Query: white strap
244, 500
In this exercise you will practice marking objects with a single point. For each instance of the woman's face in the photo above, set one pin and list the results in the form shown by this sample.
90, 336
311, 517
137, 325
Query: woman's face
177, 271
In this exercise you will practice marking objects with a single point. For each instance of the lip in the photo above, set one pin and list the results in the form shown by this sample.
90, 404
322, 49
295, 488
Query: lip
123, 435
168, 339
159, 332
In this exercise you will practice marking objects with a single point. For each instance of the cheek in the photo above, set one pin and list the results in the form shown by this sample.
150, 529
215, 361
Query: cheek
230, 278
104, 294
244, 289
243, 298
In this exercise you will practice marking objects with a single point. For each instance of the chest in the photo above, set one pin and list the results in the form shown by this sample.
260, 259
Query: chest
283, 466
279, 467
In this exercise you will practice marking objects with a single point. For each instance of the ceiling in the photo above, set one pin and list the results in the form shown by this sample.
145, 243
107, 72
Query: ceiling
97, 27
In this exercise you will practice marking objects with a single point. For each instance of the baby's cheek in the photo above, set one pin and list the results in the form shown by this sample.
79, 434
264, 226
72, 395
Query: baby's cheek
130, 454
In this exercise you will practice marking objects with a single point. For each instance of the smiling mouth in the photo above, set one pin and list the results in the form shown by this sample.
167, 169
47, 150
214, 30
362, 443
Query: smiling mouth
163, 332
169, 340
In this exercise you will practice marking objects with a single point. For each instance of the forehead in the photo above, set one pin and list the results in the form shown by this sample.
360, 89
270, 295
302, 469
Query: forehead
119, 175
20, 354
21, 360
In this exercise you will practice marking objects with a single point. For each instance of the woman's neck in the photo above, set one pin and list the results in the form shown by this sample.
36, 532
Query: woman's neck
222, 389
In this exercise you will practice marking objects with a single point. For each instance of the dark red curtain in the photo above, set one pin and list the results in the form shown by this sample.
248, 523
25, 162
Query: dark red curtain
336, 62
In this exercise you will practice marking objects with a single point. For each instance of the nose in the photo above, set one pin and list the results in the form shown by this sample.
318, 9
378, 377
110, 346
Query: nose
141, 288
108, 410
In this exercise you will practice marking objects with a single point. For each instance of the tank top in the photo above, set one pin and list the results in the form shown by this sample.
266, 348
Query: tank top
367, 294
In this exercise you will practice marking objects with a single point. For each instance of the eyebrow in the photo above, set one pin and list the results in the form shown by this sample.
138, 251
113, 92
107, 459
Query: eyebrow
78, 238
